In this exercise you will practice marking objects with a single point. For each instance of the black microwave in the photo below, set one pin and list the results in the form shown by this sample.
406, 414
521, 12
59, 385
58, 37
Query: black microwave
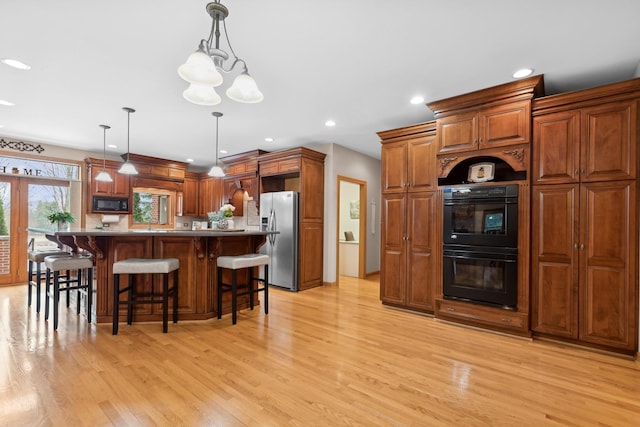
110, 204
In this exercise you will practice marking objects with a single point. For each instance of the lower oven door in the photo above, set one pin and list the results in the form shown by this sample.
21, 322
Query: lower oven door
481, 275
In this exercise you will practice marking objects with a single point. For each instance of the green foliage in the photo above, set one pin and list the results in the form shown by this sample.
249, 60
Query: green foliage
141, 207
61, 216
3, 224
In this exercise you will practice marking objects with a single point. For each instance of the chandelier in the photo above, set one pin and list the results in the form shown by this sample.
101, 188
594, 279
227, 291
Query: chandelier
202, 69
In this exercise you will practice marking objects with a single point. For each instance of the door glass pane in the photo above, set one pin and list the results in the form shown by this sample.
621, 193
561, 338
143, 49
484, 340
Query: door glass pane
5, 226
43, 200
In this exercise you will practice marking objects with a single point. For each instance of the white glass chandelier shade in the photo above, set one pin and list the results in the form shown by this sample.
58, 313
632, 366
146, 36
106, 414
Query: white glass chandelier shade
203, 67
103, 175
216, 170
200, 68
201, 94
245, 89
127, 167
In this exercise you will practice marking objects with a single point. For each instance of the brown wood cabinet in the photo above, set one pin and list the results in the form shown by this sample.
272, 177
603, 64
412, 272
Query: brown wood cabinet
494, 117
307, 178
408, 261
584, 216
596, 143
190, 194
583, 268
210, 194
506, 124
119, 187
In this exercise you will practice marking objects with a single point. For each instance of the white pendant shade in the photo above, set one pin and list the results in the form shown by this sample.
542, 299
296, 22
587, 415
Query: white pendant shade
216, 171
245, 89
103, 176
200, 94
127, 168
200, 68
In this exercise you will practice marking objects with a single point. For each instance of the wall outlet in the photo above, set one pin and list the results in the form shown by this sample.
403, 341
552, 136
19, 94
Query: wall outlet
185, 224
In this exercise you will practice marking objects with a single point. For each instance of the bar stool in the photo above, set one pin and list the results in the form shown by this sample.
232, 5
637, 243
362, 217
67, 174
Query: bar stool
56, 264
234, 263
135, 266
36, 258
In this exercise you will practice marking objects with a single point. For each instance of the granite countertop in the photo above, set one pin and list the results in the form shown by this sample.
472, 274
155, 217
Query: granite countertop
163, 232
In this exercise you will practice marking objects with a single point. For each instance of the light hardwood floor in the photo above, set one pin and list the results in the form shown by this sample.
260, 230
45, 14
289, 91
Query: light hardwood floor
324, 357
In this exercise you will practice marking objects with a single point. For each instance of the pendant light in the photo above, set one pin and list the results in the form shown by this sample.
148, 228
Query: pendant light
103, 175
127, 167
216, 170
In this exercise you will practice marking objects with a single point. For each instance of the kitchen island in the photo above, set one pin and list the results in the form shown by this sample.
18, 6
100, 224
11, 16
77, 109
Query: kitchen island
197, 251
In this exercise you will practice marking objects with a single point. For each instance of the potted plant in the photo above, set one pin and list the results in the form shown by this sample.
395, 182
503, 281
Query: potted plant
62, 218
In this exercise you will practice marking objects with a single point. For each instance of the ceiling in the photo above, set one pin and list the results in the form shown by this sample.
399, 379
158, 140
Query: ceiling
356, 62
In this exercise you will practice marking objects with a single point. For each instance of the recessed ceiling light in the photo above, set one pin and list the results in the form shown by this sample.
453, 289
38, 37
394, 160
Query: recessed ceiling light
6, 103
269, 139
522, 73
189, 160
1, 126
330, 123
16, 64
112, 146
223, 151
417, 100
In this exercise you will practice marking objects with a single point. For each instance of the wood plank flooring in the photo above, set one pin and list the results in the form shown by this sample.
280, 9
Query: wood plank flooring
330, 356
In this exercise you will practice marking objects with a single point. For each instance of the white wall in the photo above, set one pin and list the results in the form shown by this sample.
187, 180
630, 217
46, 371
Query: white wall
343, 161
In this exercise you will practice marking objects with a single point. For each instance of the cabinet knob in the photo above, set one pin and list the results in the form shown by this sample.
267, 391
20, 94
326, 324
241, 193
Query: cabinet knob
577, 172
451, 309
575, 246
582, 247
506, 320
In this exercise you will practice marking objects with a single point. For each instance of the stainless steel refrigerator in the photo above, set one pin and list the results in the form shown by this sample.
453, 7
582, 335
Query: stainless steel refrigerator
279, 212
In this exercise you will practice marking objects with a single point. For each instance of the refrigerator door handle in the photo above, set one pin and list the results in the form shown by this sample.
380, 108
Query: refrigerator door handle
272, 227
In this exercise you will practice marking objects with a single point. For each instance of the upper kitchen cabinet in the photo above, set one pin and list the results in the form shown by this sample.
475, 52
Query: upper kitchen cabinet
408, 159
120, 187
189, 201
586, 136
495, 117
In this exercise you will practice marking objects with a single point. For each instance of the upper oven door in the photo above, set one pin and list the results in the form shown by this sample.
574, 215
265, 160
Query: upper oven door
490, 221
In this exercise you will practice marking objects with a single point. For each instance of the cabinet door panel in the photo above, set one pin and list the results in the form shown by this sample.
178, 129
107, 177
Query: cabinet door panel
394, 172
608, 290
610, 139
422, 162
556, 149
458, 132
420, 251
392, 279
554, 271
505, 125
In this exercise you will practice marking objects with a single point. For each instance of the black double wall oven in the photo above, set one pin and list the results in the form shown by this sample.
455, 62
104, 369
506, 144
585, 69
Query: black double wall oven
480, 239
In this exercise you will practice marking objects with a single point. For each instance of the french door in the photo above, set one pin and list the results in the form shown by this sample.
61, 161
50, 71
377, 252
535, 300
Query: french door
25, 204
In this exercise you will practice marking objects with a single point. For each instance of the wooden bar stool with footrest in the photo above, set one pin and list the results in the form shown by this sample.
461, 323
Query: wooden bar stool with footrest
234, 263
136, 266
81, 283
36, 259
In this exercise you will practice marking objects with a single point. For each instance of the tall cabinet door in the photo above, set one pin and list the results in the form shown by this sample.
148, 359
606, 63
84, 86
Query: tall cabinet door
394, 170
420, 251
608, 152
392, 279
554, 266
608, 298
556, 148
421, 172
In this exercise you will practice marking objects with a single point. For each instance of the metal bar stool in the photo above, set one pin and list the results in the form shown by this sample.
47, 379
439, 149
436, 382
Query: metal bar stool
234, 263
135, 266
36, 259
56, 264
